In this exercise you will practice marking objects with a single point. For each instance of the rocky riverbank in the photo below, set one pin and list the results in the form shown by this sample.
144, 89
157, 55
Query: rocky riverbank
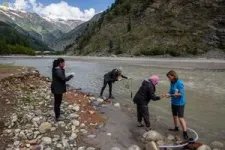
27, 119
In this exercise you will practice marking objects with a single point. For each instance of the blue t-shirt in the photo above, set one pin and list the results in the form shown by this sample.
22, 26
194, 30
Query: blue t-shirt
177, 87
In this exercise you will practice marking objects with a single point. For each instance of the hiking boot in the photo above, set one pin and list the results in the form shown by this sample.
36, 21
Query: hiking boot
185, 135
148, 128
59, 119
176, 129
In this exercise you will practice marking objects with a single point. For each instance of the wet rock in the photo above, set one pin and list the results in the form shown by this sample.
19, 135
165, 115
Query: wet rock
152, 136
134, 147
44, 127
217, 145
204, 147
46, 140
151, 146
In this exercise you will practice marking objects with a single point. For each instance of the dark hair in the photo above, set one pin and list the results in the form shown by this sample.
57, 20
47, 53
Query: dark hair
173, 74
56, 63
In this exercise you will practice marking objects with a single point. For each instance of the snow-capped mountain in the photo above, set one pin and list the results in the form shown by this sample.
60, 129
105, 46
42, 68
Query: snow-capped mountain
42, 28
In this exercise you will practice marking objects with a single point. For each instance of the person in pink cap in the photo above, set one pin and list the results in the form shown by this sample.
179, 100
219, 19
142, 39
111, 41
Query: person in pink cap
146, 93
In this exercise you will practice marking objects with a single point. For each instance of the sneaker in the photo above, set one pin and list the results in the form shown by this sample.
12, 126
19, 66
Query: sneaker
185, 135
148, 128
175, 129
111, 97
140, 125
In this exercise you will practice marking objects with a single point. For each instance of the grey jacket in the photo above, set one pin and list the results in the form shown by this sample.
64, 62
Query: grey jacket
59, 80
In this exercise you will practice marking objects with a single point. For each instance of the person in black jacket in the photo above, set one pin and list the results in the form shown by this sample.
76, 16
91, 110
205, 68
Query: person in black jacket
110, 78
145, 93
58, 86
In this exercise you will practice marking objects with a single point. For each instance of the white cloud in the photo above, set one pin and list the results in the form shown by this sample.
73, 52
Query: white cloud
61, 10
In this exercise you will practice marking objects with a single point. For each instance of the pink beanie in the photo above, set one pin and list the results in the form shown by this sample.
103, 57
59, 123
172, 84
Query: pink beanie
154, 79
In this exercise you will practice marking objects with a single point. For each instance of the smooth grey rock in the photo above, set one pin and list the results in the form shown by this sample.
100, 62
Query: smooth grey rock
74, 116
151, 146
73, 137
204, 147
46, 140
44, 127
134, 147
217, 144
152, 136
115, 148
75, 123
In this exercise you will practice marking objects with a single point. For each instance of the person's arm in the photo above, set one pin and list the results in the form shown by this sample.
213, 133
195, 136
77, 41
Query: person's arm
180, 88
61, 76
125, 77
152, 95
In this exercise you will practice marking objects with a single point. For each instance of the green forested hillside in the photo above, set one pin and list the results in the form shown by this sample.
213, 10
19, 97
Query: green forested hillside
156, 27
13, 42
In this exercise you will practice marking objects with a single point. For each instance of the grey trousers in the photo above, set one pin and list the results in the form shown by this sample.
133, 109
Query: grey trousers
142, 113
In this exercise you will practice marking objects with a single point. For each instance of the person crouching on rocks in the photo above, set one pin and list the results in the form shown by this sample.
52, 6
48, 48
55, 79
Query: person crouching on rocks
110, 78
177, 95
58, 86
146, 93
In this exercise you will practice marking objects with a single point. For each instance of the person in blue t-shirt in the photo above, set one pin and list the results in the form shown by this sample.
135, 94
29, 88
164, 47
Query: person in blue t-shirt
178, 100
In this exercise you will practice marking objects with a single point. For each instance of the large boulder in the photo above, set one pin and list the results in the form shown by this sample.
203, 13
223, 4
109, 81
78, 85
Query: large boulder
134, 147
151, 146
44, 127
152, 136
204, 147
217, 145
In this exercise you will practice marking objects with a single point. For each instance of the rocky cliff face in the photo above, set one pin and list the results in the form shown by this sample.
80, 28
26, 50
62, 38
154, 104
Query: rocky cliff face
157, 27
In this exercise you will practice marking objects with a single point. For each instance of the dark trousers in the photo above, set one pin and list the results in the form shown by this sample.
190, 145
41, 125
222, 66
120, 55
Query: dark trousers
142, 113
104, 86
57, 103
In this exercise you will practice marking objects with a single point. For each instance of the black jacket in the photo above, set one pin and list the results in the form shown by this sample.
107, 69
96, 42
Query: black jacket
145, 93
112, 76
59, 81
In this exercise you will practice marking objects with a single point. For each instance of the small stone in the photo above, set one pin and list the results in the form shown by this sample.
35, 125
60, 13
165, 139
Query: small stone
92, 136
16, 143
204, 147
53, 128
74, 116
109, 134
73, 137
75, 123
91, 112
134, 147
65, 143
100, 100
115, 148
46, 140
170, 137
59, 145
117, 105
44, 127
82, 125
92, 98
90, 148
217, 145
28, 145
17, 130
81, 148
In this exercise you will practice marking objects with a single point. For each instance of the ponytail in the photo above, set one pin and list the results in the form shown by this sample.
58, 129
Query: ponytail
56, 63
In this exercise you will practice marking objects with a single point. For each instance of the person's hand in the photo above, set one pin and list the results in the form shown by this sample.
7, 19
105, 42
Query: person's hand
120, 79
162, 96
167, 95
72, 74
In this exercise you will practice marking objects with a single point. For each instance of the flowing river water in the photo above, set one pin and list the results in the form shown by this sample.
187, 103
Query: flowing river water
205, 88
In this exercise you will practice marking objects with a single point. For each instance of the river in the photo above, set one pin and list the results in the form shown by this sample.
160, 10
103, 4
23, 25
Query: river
204, 84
